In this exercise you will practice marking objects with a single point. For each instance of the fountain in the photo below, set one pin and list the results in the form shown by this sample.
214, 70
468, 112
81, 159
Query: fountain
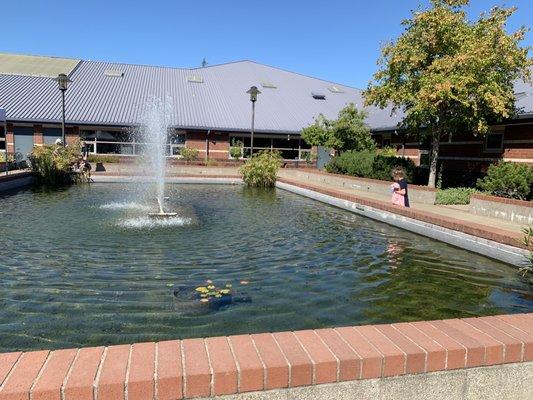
154, 131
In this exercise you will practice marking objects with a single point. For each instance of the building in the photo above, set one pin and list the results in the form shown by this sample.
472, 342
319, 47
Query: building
210, 110
210, 106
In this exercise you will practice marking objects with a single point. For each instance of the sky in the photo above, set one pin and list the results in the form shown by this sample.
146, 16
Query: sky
336, 40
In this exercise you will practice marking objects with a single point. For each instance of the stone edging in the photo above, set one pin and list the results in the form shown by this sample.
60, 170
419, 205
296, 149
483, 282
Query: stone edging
246, 363
486, 197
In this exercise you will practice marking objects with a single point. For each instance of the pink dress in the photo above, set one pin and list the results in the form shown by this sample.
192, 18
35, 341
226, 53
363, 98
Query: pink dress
397, 198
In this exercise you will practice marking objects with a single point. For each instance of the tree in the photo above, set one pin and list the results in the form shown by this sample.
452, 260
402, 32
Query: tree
450, 75
348, 132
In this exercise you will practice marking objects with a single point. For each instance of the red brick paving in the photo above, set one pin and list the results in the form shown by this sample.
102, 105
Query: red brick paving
201, 367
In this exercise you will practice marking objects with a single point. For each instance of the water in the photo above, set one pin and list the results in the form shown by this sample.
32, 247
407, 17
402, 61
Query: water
77, 270
154, 131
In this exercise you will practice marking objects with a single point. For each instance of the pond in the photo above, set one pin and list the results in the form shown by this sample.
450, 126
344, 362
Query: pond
84, 266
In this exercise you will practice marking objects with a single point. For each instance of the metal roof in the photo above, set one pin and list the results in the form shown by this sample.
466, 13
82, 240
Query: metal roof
213, 97
50, 67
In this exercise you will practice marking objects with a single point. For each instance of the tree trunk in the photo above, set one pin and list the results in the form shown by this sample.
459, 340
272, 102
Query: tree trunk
433, 163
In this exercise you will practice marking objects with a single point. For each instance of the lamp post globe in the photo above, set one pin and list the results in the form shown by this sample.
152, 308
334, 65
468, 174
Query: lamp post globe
63, 81
253, 92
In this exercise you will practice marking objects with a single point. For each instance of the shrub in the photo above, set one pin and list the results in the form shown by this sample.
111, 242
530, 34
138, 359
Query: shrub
527, 241
103, 158
262, 169
460, 195
382, 167
189, 154
51, 164
388, 152
355, 163
507, 179
235, 151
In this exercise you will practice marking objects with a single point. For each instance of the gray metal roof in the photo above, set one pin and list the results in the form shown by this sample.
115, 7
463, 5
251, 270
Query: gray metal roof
99, 95
219, 102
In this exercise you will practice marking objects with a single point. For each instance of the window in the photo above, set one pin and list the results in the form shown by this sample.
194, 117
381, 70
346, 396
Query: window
114, 73
195, 79
268, 85
335, 89
494, 141
385, 143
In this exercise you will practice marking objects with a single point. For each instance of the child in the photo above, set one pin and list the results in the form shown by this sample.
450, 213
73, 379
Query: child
400, 195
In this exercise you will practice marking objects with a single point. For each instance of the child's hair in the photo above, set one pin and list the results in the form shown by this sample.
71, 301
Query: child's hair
398, 172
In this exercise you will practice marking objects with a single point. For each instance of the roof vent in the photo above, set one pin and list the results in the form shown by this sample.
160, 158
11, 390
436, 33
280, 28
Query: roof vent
335, 89
115, 73
195, 79
520, 95
268, 85
318, 96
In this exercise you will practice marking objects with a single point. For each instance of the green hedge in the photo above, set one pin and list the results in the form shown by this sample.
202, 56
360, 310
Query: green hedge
102, 158
368, 164
460, 195
507, 179
262, 169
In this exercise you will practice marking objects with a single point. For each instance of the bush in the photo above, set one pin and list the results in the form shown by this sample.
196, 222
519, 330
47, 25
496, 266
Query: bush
382, 167
460, 195
104, 158
189, 154
355, 163
51, 164
235, 152
262, 169
507, 179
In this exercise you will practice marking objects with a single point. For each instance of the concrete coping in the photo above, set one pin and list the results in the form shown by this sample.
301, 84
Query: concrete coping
216, 366
370, 180
497, 199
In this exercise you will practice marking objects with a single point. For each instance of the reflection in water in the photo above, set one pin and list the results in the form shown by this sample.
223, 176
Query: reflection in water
72, 275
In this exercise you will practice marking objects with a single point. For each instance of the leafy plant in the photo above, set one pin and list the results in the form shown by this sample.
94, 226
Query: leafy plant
236, 149
382, 167
528, 242
211, 292
262, 169
387, 152
52, 164
3, 157
348, 132
189, 154
103, 158
449, 74
354, 163
309, 157
460, 195
507, 179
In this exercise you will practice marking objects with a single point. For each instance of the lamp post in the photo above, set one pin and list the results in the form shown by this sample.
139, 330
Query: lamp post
63, 82
253, 92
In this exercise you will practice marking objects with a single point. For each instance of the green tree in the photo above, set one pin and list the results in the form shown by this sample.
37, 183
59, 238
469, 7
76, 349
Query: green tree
449, 74
348, 132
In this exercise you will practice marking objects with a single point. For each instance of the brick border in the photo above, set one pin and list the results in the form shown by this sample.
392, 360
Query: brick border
244, 363
497, 235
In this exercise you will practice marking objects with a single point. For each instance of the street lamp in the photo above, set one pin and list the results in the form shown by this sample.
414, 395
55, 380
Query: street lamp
253, 92
63, 82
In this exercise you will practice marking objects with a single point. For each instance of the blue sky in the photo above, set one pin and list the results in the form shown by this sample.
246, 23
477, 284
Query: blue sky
337, 40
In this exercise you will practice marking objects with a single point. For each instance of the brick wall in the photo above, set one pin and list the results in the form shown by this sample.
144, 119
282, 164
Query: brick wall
218, 144
38, 135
